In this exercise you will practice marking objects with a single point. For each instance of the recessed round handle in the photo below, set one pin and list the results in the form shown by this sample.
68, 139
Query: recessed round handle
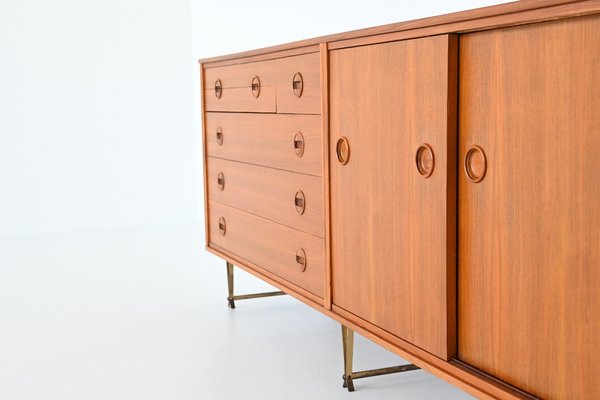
299, 144
297, 84
221, 181
255, 86
301, 259
218, 88
222, 226
475, 164
342, 150
425, 160
219, 136
300, 202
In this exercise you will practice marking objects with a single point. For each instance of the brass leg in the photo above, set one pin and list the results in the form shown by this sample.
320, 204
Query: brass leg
349, 375
231, 298
348, 345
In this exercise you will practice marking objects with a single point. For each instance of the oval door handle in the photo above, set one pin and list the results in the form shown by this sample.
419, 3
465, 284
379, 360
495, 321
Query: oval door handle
342, 150
299, 144
297, 84
221, 181
255, 86
301, 259
425, 160
218, 88
475, 164
300, 202
219, 136
222, 226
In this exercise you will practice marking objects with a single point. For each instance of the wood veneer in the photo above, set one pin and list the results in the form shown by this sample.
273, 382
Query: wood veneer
529, 247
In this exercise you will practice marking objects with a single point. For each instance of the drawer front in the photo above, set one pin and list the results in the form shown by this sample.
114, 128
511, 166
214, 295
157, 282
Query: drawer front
299, 84
295, 256
289, 142
295, 200
242, 87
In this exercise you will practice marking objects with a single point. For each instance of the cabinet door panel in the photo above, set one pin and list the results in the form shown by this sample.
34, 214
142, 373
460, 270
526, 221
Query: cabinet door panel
529, 232
392, 229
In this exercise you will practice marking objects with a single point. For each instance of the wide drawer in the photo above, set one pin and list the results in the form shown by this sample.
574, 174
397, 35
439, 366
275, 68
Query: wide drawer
299, 84
241, 87
292, 199
290, 142
295, 256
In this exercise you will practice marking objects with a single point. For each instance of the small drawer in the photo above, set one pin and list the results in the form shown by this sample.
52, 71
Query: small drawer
299, 84
292, 199
289, 142
241, 87
294, 256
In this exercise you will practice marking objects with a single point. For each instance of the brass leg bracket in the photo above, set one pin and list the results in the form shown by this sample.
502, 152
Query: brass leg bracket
231, 298
349, 375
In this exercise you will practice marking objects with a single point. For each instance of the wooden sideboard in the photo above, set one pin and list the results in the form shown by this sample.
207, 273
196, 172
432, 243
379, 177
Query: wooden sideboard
433, 185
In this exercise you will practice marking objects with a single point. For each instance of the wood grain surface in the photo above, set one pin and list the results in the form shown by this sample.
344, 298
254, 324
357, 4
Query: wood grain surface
529, 232
270, 245
392, 236
308, 66
236, 83
269, 193
267, 139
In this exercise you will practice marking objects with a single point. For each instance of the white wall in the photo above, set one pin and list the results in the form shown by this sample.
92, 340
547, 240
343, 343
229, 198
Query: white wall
222, 27
96, 115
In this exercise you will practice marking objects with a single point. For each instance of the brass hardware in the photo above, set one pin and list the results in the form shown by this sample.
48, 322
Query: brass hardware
299, 144
475, 164
255, 86
301, 259
222, 226
342, 150
218, 88
297, 84
221, 181
299, 202
425, 160
219, 136
231, 298
349, 375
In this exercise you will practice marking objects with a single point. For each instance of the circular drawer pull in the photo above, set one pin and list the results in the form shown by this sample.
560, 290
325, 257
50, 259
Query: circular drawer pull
342, 150
425, 160
300, 202
475, 164
222, 226
255, 86
221, 181
218, 88
297, 84
219, 136
301, 259
299, 144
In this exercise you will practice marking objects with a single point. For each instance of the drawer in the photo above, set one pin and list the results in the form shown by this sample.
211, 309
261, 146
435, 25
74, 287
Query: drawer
299, 84
241, 87
292, 199
289, 142
293, 255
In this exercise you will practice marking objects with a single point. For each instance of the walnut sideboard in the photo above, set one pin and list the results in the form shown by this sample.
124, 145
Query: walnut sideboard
433, 185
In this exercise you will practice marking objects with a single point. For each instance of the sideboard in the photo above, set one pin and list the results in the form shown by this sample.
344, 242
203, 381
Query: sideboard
433, 185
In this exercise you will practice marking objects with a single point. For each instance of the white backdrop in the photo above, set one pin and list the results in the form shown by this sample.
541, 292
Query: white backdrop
96, 115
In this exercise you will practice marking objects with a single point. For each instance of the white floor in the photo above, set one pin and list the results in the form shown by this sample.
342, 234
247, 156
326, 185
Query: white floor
141, 314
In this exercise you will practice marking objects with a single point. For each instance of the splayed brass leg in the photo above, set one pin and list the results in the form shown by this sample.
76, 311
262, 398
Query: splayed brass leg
349, 375
231, 298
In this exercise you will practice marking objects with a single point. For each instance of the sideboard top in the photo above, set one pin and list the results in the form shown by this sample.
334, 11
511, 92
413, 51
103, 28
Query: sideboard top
514, 13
